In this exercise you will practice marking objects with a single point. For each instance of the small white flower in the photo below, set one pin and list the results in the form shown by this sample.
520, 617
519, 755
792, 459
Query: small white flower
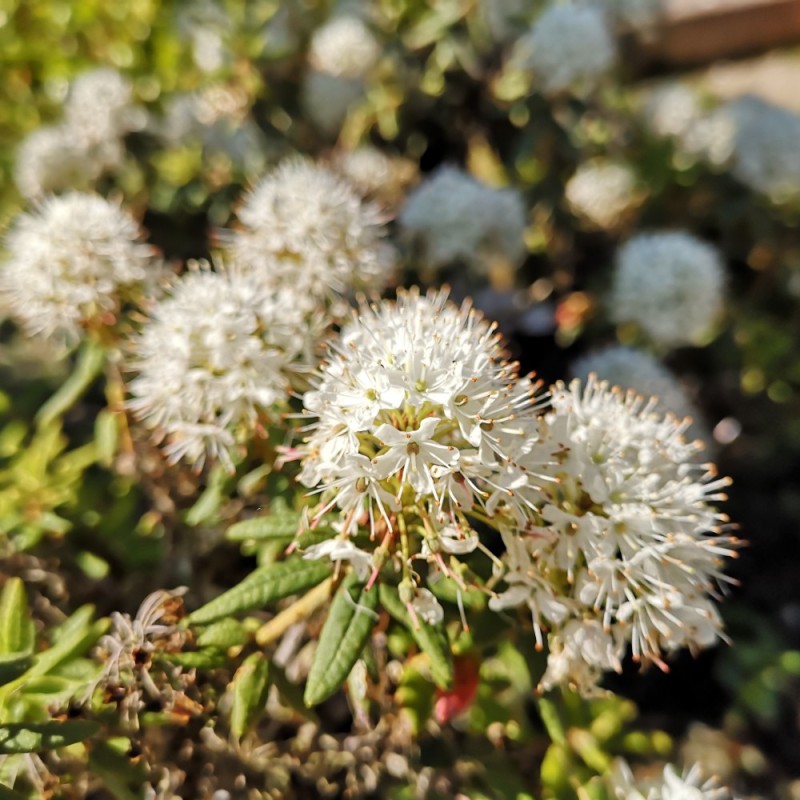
602, 192
70, 264
304, 228
569, 47
667, 786
342, 550
215, 356
428, 607
452, 217
344, 47
579, 654
671, 284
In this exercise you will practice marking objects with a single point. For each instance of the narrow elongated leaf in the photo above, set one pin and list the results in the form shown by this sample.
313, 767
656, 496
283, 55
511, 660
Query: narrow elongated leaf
273, 526
431, 640
223, 634
90, 363
12, 665
17, 633
249, 689
106, 435
122, 778
33, 738
344, 634
264, 586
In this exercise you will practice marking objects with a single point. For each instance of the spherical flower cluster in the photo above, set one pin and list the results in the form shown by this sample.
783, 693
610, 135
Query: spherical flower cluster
667, 786
420, 425
304, 228
634, 369
452, 217
70, 263
214, 360
341, 54
626, 548
766, 157
671, 284
87, 143
675, 111
569, 47
602, 192
100, 106
375, 173
344, 47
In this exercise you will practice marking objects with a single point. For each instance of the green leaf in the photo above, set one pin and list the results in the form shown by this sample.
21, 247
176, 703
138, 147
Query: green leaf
10, 794
33, 738
249, 689
91, 359
344, 634
263, 586
273, 526
106, 435
430, 639
448, 591
224, 634
17, 632
12, 665
210, 658
121, 777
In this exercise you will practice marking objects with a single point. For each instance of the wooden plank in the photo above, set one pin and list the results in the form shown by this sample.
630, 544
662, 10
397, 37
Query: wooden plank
697, 32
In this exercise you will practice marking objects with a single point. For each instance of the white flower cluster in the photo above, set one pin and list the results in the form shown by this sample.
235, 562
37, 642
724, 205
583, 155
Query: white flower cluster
602, 192
667, 786
341, 54
214, 360
569, 47
70, 263
375, 173
766, 157
416, 408
624, 549
344, 47
305, 229
98, 113
671, 284
422, 430
634, 369
452, 217
676, 111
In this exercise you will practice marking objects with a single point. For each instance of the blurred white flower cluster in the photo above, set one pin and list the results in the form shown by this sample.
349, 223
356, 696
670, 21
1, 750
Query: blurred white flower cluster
341, 54
451, 217
765, 154
634, 369
306, 229
569, 48
213, 362
667, 786
99, 111
671, 284
699, 132
603, 192
624, 547
70, 264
